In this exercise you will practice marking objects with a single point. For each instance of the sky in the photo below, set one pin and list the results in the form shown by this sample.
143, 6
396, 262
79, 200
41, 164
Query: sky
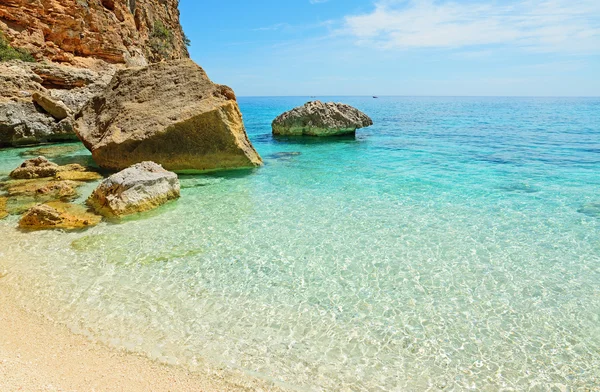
398, 47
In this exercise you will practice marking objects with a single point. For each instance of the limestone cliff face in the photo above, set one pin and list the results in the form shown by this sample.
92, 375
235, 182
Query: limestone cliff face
130, 32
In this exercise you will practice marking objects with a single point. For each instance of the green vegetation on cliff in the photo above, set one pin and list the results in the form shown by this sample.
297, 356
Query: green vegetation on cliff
161, 40
7, 52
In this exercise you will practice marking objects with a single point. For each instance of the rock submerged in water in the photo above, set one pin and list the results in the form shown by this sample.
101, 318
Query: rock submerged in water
41, 167
39, 180
42, 189
590, 209
3, 208
58, 215
52, 151
76, 172
38, 167
169, 113
321, 119
141, 187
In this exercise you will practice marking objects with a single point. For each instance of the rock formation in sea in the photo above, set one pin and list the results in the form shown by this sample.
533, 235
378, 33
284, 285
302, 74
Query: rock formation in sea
38, 181
41, 167
78, 45
38, 167
316, 118
169, 113
58, 215
141, 187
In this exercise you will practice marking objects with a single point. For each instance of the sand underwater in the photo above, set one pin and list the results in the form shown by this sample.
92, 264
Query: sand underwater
455, 244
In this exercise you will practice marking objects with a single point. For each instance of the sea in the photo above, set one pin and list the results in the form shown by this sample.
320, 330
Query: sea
454, 245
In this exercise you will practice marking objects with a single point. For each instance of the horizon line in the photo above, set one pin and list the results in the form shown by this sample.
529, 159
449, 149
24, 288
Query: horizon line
421, 96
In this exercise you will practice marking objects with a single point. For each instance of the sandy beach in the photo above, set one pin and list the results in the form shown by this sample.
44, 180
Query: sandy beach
36, 354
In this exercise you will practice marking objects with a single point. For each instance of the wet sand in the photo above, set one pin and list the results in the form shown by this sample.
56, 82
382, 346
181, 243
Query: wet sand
36, 354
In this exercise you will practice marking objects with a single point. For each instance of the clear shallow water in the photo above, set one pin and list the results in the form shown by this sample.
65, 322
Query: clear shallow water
454, 245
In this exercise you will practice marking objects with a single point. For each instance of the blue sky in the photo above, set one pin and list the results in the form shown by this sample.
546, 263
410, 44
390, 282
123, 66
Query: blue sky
398, 47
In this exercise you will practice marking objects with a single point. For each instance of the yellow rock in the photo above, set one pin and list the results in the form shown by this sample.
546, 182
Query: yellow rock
42, 189
38, 167
58, 215
3, 210
23, 194
78, 176
76, 172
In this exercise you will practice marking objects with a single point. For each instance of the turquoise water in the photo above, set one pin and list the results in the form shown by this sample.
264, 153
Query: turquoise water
454, 245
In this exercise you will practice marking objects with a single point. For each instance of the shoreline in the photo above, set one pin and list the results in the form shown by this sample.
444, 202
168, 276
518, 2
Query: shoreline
37, 354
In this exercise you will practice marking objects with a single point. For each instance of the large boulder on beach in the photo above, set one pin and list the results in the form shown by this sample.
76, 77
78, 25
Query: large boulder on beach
169, 113
321, 119
141, 187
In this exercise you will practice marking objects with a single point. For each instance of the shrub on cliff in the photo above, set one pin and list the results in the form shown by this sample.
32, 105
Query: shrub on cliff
7, 52
186, 40
161, 40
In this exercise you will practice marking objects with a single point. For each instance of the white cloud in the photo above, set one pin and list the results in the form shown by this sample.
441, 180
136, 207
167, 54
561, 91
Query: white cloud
277, 26
541, 25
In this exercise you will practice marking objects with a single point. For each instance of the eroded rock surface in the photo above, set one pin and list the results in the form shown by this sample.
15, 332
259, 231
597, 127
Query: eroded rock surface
55, 108
38, 167
37, 100
76, 172
169, 113
78, 45
41, 167
41, 189
23, 123
115, 31
139, 188
17, 80
58, 215
40, 181
320, 119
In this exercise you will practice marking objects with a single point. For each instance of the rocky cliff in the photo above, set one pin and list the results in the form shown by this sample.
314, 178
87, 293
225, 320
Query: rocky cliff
131, 32
78, 45
37, 100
